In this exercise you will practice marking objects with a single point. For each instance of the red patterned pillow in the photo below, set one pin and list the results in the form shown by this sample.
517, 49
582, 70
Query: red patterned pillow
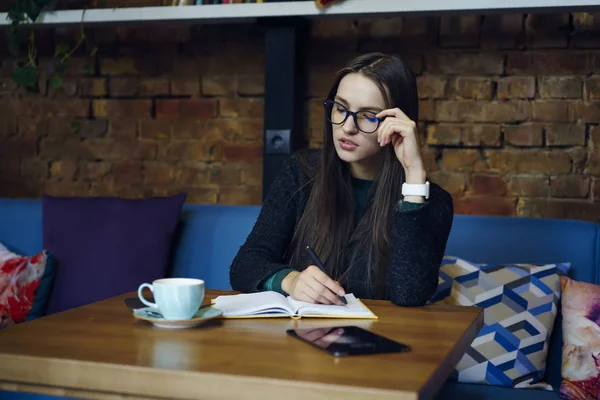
20, 278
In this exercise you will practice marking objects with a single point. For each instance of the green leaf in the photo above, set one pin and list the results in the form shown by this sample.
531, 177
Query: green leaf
88, 69
27, 77
56, 82
61, 48
62, 67
74, 126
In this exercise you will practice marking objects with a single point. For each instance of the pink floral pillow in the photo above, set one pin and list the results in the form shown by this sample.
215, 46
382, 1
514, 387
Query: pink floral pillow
581, 340
20, 278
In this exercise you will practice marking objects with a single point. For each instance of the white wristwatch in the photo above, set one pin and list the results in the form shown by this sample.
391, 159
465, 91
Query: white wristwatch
413, 189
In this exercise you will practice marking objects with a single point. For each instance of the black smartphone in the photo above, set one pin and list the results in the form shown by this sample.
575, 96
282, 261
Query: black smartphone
348, 341
134, 303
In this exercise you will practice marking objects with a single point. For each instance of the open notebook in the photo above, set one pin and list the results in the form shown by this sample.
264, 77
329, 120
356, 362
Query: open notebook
273, 304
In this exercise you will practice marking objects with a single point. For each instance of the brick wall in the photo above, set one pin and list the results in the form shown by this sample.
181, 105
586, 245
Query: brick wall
510, 111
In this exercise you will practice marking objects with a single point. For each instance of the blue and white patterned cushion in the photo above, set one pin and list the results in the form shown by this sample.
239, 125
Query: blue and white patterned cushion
520, 303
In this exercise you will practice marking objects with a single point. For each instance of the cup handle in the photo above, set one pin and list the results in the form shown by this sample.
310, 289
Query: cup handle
142, 299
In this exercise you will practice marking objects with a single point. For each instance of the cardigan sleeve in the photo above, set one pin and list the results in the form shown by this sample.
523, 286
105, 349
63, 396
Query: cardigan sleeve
261, 255
419, 242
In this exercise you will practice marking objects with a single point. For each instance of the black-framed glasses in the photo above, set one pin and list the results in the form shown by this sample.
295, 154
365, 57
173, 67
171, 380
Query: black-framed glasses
337, 113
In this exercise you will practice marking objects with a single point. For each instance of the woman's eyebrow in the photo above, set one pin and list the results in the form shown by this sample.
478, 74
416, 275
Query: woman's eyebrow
342, 100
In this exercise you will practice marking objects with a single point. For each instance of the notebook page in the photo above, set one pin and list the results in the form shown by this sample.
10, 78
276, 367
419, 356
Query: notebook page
354, 308
253, 304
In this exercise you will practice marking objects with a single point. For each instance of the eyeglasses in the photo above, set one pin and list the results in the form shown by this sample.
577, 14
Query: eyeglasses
365, 121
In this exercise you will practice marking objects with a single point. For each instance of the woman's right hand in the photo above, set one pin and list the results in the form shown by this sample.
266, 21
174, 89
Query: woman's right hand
313, 286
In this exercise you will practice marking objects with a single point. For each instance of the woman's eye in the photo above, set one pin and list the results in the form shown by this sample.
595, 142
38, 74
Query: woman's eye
340, 109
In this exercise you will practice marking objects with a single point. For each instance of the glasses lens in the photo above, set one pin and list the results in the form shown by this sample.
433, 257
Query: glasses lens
336, 113
367, 121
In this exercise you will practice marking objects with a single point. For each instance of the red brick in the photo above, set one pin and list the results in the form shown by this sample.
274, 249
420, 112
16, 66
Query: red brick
319, 84
202, 196
529, 186
558, 208
32, 127
119, 149
473, 88
430, 86
128, 172
242, 154
192, 151
516, 87
530, 162
154, 87
77, 128
460, 30
595, 137
480, 111
462, 134
572, 186
118, 66
225, 175
502, 31
547, 30
192, 176
596, 189
157, 173
547, 63
59, 148
586, 111
34, 169
18, 148
235, 108
526, 134
485, 205
96, 171
565, 135
426, 112
187, 108
189, 128
122, 108
580, 157
9, 168
8, 127
551, 111
252, 85
126, 128
490, 185
189, 86
586, 28
463, 160
69, 88
466, 63
66, 189
560, 87
592, 87
123, 86
341, 28
248, 195
252, 175
593, 164
156, 129
218, 85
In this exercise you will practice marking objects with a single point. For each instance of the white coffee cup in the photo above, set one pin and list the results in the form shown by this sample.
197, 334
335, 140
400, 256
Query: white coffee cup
176, 298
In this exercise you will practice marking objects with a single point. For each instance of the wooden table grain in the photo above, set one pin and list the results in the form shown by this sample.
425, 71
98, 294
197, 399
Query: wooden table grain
100, 351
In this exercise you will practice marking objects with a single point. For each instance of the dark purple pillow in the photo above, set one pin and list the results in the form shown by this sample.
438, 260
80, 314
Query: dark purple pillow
106, 246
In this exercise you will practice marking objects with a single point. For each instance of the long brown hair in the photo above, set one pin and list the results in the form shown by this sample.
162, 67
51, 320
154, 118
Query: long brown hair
328, 221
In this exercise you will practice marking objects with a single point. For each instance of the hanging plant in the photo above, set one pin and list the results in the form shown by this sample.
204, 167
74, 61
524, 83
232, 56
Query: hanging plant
26, 73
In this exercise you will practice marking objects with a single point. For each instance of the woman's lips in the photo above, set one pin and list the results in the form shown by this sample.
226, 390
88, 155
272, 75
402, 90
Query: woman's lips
347, 144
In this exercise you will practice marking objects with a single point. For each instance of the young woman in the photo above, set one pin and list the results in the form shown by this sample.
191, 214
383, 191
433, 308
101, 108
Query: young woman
362, 202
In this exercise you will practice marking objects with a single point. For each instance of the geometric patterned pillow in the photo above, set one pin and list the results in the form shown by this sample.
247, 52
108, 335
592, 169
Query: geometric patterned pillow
520, 305
20, 279
581, 340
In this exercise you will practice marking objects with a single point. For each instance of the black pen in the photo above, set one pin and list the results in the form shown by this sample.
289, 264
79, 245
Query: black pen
319, 264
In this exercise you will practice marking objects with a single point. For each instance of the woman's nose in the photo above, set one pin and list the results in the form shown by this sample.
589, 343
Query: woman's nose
349, 126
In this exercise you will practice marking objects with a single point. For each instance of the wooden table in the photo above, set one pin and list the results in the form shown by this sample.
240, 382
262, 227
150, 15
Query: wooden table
101, 351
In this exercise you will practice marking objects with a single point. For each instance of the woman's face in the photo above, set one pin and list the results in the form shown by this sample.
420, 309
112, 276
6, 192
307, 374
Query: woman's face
358, 93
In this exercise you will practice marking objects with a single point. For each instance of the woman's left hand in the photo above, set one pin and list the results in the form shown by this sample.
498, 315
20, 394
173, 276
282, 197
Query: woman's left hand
401, 132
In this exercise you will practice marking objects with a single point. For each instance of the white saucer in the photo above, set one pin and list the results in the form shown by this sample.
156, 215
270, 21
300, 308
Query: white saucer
203, 315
